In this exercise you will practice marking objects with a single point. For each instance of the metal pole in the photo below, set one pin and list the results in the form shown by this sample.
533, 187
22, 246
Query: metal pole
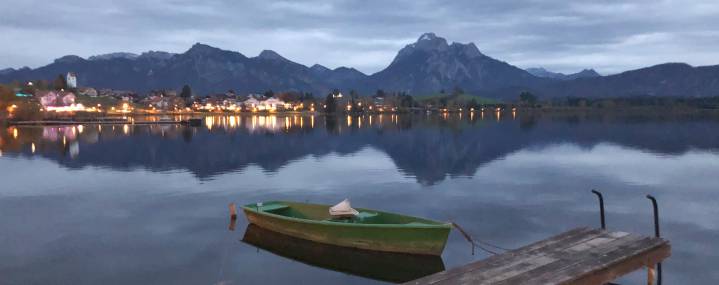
601, 207
656, 233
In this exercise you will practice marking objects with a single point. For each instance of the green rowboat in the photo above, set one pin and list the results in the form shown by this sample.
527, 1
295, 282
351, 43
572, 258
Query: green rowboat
370, 230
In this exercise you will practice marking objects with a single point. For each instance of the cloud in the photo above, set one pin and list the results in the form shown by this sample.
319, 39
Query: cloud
612, 36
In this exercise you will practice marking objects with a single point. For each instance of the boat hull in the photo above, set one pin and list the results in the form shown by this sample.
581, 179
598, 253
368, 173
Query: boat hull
402, 238
377, 265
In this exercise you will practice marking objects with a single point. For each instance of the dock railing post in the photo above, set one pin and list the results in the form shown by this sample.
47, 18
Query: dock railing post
601, 208
656, 234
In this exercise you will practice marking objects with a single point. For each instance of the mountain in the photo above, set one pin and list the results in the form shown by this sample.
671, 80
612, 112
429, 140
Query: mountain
541, 72
125, 55
341, 77
431, 65
207, 69
428, 65
669, 79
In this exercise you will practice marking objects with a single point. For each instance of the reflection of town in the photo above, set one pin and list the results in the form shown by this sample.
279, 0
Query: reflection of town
66, 137
427, 147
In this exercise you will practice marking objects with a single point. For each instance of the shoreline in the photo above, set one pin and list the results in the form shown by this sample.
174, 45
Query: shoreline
129, 118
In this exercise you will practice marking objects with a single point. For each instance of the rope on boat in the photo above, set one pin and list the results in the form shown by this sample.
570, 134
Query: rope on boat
480, 244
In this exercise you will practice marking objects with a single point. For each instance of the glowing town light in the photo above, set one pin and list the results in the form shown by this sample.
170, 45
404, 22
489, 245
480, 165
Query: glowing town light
80, 128
125, 129
14, 133
32, 147
70, 108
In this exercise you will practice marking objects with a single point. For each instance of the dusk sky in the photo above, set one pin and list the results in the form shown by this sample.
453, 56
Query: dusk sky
564, 36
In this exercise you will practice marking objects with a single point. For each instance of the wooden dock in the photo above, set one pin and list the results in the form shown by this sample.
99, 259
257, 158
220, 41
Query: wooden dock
579, 256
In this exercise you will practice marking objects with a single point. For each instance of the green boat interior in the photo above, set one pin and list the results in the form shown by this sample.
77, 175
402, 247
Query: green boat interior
321, 213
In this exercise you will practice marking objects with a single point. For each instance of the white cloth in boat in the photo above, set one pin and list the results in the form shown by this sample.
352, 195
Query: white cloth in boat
343, 209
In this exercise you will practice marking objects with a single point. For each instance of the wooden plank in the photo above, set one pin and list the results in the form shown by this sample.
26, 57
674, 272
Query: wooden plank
568, 260
562, 255
569, 237
579, 256
553, 275
629, 263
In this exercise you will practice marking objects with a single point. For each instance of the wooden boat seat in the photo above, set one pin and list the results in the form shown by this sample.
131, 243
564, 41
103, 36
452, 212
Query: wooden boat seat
362, 217
273, 207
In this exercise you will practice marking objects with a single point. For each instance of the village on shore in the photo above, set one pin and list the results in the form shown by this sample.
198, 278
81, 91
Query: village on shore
40, 99
63, 99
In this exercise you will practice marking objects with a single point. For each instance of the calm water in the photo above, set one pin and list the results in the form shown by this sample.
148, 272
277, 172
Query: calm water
148, 204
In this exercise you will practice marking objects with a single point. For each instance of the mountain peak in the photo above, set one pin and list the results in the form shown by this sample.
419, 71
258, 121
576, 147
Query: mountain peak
430, 41
200, 48
318, 68
6, 70
588, 72
427, 37
69, 59
114, 55
469, 50
163, 55
542, 72
270, 54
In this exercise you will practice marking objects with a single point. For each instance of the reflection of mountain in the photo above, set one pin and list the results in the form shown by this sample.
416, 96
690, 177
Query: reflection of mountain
390, 267
428, 148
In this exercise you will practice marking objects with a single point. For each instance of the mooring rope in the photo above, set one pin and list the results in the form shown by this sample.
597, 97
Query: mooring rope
480, 244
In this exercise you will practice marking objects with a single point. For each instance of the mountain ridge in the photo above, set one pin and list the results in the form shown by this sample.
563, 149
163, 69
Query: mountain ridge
428, 65
541, 72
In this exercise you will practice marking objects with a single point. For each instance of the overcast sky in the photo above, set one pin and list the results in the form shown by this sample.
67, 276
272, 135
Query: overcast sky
560, 35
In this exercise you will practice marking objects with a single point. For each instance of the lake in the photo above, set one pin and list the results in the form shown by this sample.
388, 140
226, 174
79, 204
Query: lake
131, 204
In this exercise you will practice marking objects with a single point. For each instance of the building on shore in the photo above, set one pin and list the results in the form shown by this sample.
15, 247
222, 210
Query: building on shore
269, 104
87, 91
71, 79
59, 101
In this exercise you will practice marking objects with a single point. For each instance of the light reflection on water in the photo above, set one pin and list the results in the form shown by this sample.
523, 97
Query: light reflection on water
136, 203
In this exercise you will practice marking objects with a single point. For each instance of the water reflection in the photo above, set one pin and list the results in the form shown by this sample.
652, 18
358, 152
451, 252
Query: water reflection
389, 267
141, 202
429, 148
